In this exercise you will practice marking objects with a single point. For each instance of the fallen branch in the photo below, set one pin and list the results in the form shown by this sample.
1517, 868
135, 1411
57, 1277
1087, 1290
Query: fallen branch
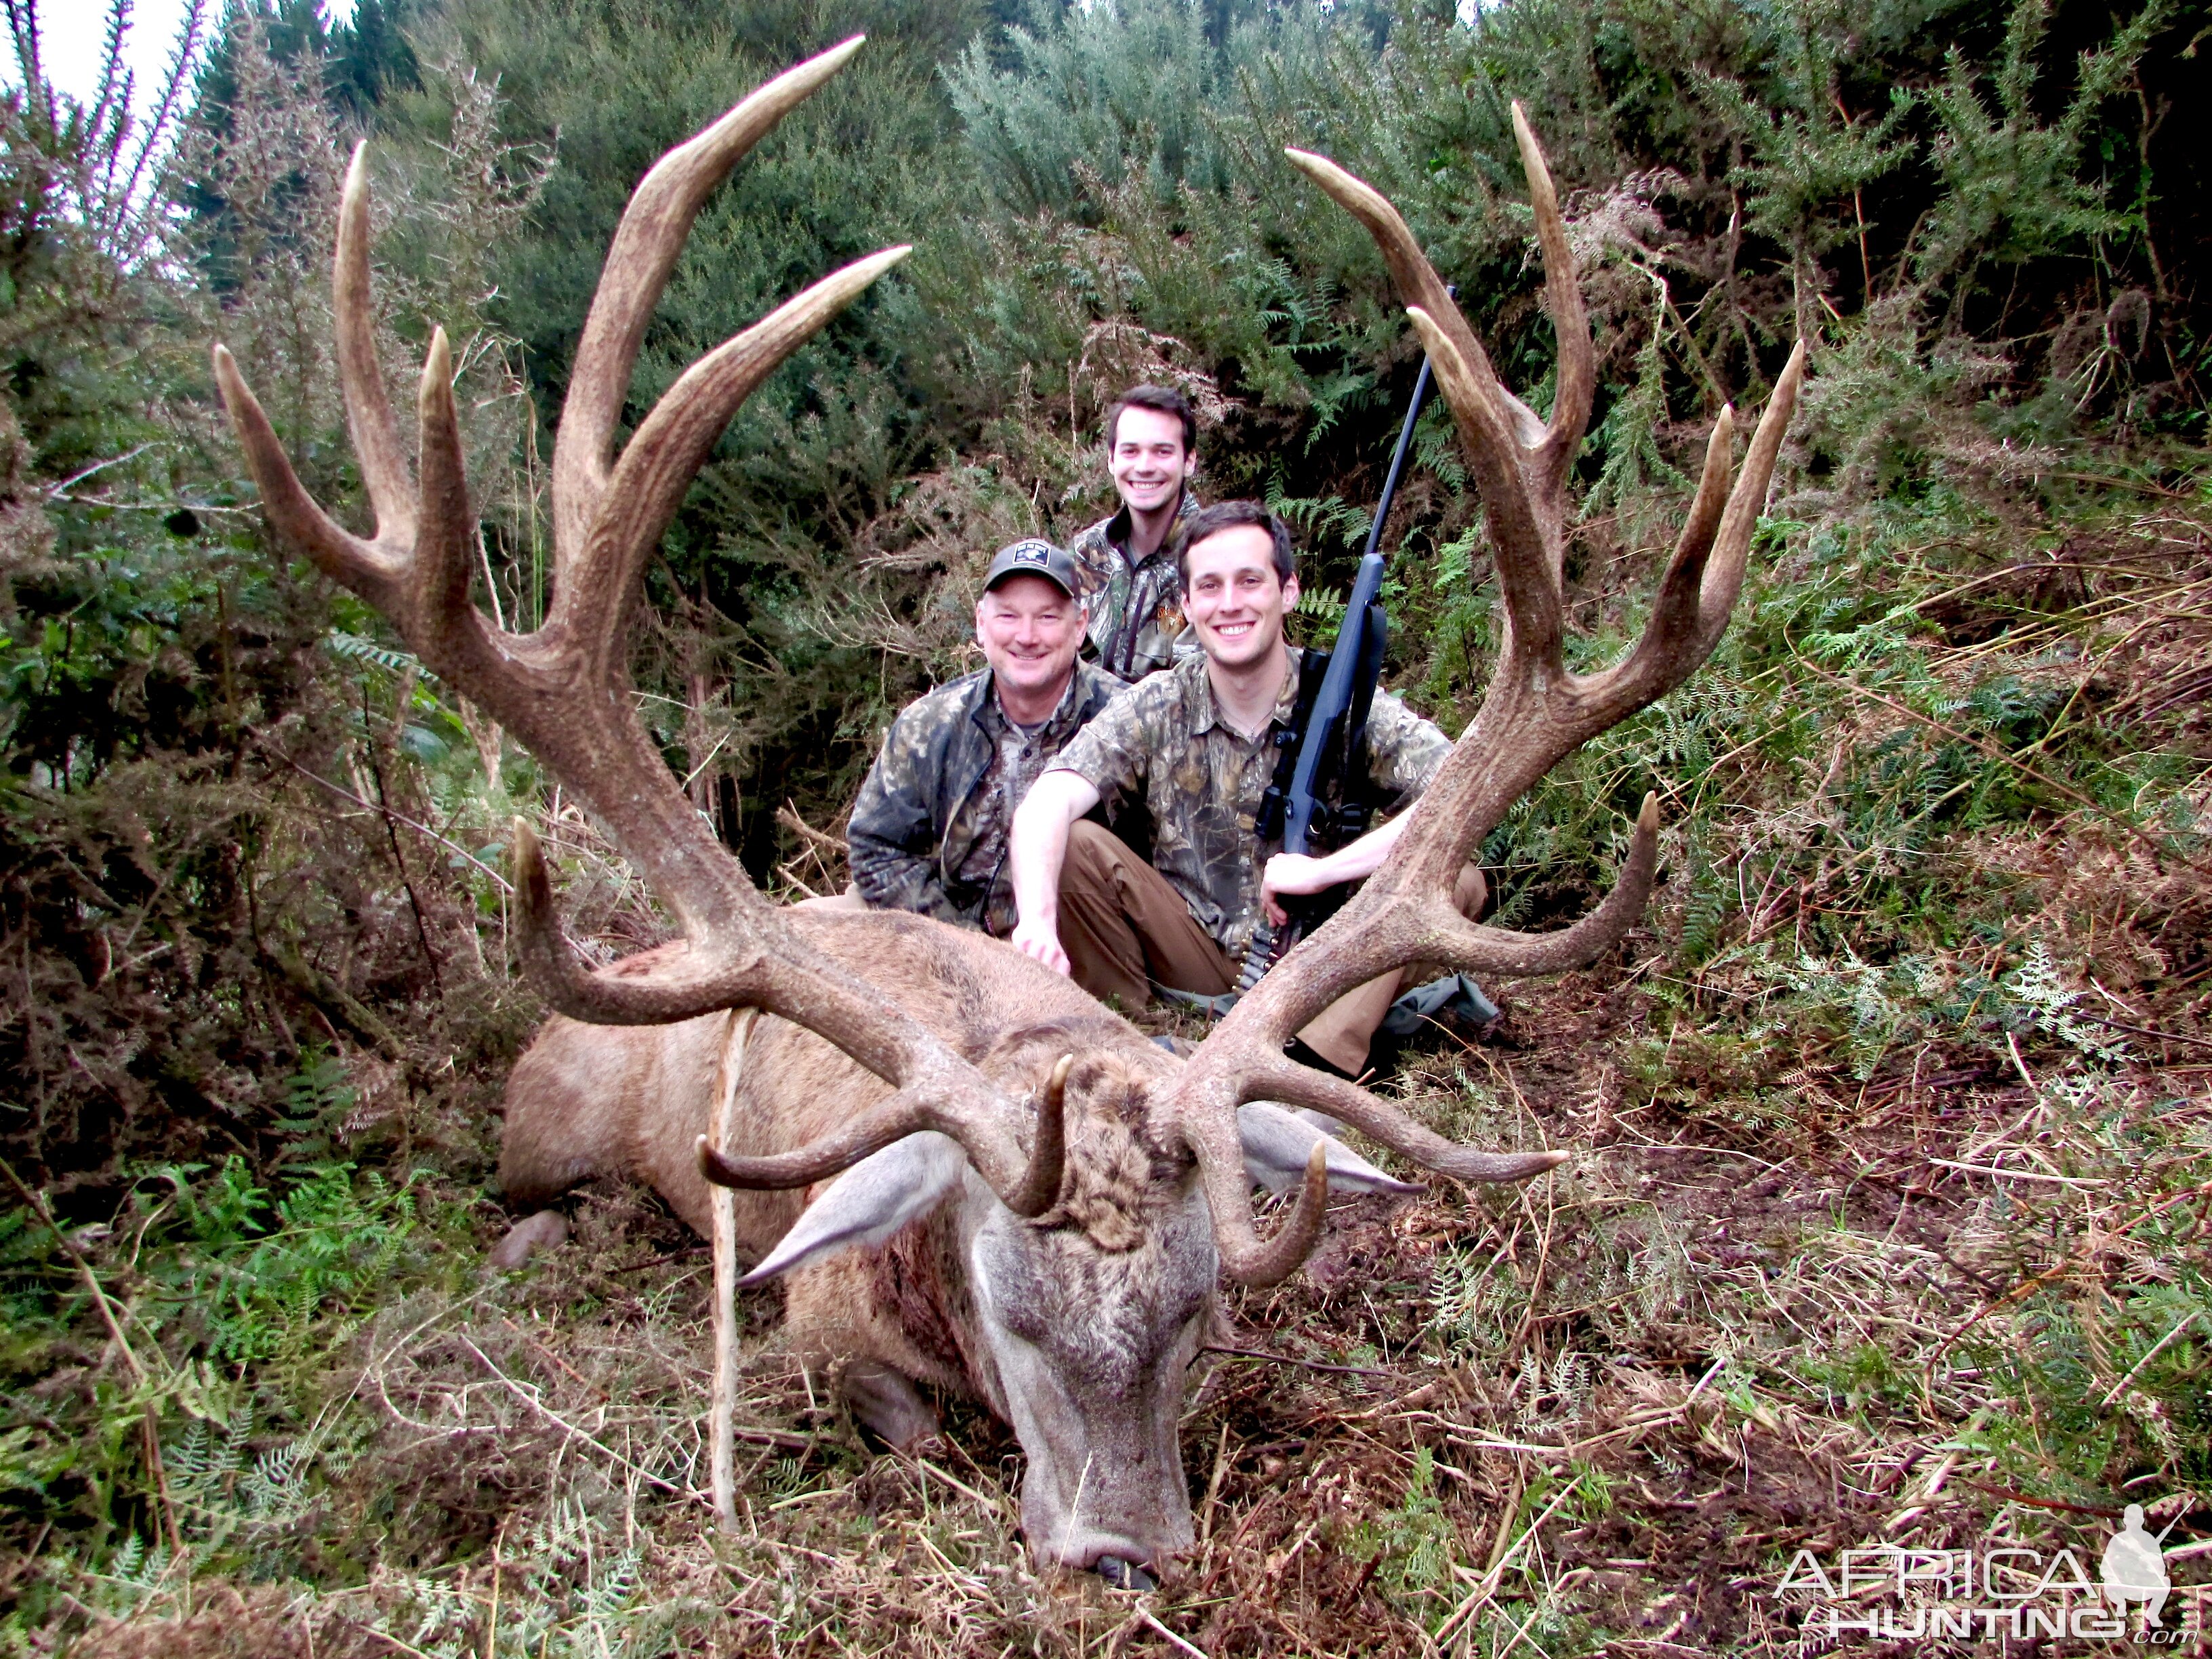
1145, 1614
397, 817
1488, 1587
2140, 1030
574, 1432
2158, 1348
721, 1457
1288, 1359
820, 840
2016, 1175
2011, 1497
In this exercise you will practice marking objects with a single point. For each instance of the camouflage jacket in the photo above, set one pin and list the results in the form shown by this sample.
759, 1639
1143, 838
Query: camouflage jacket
1166, 745
929, 833
1135, 622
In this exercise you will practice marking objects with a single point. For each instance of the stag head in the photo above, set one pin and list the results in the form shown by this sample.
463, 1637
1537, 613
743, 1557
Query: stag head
1108, 1193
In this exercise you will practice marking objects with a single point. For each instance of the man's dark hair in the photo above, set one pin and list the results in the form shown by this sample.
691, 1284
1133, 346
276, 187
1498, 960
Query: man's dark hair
1232, 515
1166, 400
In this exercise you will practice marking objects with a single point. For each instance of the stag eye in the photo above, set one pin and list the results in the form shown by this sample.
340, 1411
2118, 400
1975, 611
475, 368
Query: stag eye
1019, 1297
1028, 1321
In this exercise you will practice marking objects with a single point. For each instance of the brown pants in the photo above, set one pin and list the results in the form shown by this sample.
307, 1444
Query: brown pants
1123, 928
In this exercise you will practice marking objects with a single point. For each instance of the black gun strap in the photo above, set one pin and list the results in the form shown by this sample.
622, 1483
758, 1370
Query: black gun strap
1267, 823
1356, 795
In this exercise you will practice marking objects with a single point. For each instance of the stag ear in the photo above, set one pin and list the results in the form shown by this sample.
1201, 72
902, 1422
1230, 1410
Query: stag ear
869, 1202
1278, 1142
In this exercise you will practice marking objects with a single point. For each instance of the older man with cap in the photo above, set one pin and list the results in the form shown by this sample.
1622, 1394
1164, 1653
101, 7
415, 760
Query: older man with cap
929, 833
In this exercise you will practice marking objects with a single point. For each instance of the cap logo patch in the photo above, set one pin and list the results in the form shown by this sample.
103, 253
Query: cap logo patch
1030, 553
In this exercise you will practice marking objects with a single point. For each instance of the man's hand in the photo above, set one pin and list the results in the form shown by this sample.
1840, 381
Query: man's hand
1038, 939
1036, 847
1291, 872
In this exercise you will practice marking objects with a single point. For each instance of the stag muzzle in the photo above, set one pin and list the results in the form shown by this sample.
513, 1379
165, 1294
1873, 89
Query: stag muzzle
1089, 1355
1124, 1506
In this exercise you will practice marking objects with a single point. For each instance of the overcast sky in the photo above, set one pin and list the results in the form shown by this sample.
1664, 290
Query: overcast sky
71, 33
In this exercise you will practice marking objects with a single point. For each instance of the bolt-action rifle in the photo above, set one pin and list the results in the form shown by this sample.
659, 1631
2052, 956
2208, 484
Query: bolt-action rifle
1319, 799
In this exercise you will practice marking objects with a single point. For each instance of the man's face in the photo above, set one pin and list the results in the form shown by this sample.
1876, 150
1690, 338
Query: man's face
1148, 464
1233, 597
1029, 632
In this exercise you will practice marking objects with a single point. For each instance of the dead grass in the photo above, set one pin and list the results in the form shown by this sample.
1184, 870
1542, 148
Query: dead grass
1598, 1414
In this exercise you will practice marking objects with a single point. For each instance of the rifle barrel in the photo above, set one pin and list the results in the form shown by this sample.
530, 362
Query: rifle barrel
1405, 446
1398, 459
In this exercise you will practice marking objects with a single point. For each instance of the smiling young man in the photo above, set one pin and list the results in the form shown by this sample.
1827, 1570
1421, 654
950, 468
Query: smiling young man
1198, 745
1126, 563
929, 831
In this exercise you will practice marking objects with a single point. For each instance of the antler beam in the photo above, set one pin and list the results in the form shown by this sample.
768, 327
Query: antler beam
564, 690
1534, 714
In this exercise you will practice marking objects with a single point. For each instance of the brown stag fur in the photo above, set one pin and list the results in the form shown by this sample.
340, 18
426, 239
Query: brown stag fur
588, 1101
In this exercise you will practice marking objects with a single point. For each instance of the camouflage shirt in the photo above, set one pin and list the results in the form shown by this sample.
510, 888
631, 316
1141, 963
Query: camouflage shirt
1136, 621
1166, 743
1017, 758
929, 833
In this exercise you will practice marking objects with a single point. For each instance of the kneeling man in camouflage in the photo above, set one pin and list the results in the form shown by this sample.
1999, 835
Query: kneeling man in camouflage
1198, 746
929, 831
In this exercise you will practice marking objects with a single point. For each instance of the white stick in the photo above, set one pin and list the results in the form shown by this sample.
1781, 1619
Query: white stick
2187, 1320
1145, 1614
722, 1442
2015, 1174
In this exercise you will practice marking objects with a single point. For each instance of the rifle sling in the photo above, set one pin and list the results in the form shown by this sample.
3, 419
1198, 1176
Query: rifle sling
1313, 666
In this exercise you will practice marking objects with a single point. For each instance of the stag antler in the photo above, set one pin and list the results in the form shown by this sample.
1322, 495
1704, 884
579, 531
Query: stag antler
565, 690
1534, 714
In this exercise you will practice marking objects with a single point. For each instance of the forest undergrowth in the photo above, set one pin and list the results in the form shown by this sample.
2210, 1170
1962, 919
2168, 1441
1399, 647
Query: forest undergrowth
1884, 1220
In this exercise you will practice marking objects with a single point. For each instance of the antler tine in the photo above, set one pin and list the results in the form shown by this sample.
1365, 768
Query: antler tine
1283, 1080
1470, 948
1577, 382
907, 1112
652, 235
368, 410
1732, 547
440, 620
1520, 465
1028, 1187
1215, 1084
673, 441
670, 993
418, 569
1040, 1187
1242, 1059
1228, 1189
1527, 573
376, 572
773, 970
1702, 580
1407, 265
1416, 279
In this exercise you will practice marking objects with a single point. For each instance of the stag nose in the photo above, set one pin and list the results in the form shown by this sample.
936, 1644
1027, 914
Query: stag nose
1124, 1574
1123, 1561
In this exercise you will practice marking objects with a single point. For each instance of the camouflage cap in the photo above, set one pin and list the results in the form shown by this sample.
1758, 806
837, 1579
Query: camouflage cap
1035, 556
